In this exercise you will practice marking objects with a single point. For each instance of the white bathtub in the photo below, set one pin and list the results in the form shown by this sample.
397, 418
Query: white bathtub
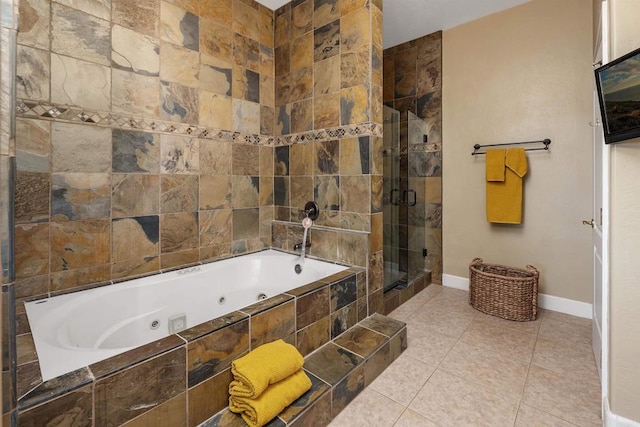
75, 330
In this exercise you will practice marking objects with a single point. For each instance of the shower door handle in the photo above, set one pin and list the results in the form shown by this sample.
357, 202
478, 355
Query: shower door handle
405, 195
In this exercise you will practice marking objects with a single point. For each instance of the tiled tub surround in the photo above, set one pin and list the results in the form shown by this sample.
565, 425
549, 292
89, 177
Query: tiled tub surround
80, 328
339, 371
183, 379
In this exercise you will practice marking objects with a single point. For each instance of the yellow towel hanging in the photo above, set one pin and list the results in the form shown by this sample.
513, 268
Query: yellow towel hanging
504, 199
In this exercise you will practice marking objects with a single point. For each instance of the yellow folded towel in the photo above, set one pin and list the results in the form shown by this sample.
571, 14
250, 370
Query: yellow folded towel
495, 165
257, 412
504, 199
265, 365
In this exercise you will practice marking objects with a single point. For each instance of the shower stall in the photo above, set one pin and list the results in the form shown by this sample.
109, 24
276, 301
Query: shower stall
404, 198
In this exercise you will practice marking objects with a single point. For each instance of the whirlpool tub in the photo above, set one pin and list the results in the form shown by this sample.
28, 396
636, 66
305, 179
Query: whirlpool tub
75, 330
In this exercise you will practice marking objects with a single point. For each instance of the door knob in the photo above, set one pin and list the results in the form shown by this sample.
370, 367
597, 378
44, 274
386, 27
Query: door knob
585, 222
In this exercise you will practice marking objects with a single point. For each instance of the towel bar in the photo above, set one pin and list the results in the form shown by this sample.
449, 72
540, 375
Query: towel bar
546, 143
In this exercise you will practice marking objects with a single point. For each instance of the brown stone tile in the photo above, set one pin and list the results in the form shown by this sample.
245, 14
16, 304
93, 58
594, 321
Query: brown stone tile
347, 389
383, 324
302, 116
283, 28
352, 189
179, 65
215, 227
134, 194
377, 363
209, 397
210, 355
343, 292
302, 53
301, 159
31, 250
354, 105
301, 191
80, 148
325, 11
32, 195
77, 196
332, 363
178, 231
178, 25
135, 238
272, 324
327, 159
355, 67
179, 259
78, 277
219, 10
314, 336
326, 76
245, 191
215, 192
267, 120
216, 40
326, 111
33, 145
282, 60
178, 193
355, 29
343, 319
246, 53
302, 18
74, 408
179, 155
125, 395
134, 267
215, 155
140, 354
267, 30
315, 395
179, 103
246, 223
312, 307
246, 20
326, 41
301, 84
77, 244
173, 412
246, 159
25, 349
361, 341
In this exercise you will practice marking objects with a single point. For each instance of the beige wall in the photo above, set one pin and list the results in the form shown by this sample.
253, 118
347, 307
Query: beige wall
519, 75
625, 235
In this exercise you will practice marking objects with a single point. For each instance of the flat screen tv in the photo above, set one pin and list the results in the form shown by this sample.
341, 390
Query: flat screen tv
618, 85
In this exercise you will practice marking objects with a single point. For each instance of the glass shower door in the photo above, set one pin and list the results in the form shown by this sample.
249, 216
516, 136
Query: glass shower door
392, 199
418, 210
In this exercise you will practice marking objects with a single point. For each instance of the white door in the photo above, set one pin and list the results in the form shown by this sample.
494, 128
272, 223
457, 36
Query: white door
600, 222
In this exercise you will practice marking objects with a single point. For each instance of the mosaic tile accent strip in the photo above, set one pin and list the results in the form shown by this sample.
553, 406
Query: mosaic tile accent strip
71, 114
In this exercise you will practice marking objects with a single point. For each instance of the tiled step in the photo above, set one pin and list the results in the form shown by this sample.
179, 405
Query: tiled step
339, 371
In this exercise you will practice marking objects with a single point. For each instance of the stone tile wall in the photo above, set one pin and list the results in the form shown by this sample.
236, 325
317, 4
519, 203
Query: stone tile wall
147, 130
413, 85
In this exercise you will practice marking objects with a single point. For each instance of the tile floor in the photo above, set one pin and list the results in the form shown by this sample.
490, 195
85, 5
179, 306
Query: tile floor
465, 368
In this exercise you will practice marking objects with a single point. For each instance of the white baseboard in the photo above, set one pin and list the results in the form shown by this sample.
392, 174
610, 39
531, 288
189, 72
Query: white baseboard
548, 302
613, 420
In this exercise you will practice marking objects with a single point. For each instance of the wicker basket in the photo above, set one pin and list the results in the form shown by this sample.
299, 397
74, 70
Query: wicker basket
507, 292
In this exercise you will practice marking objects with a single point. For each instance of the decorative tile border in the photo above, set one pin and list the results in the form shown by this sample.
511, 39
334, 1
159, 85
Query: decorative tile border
71, 114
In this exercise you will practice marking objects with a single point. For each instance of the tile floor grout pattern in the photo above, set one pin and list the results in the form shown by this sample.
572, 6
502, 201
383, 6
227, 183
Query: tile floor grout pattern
466, 368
